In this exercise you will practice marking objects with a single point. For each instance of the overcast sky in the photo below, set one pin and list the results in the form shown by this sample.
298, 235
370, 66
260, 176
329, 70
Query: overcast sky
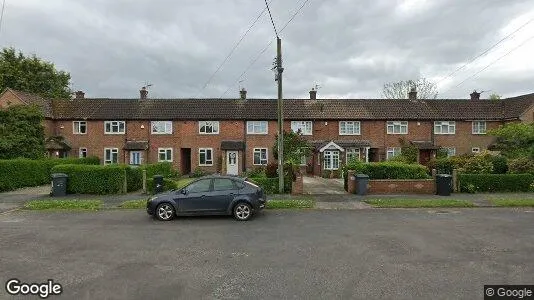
349, 48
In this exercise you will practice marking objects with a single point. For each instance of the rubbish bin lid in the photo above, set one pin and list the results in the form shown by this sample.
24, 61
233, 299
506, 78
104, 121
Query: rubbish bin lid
59, 175
443, 175
362, 176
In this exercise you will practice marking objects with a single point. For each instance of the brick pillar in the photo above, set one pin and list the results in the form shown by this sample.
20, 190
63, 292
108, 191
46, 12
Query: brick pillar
351, 182
297, 185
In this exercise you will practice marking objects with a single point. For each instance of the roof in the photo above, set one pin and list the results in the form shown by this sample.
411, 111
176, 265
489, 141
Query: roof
424, 145
318, 145
30, 98
56, 143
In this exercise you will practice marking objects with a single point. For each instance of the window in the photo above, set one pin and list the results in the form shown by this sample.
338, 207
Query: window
475, 150
331, 160
257, 127
208, 127
260, 156
79, 127
479, 127
393, 151
161, 127
451, 151
136, 158
205, 156
111, 156
303, 160
305, 127
82, 152
164, 154
397, 127
114, 127
349, 128
221, 184
444, 127
201, 186
353, 154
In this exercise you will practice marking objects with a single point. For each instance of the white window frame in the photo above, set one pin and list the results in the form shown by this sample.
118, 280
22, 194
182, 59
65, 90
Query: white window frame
81, 151
166, 152
329, 157
140, 157
305, 127
451, 151
77, 125
113, 124
392, 152
207, 162
344, 126
263, 160
253, 126
450, 125
477, 127
391, 125
475, 150
167, 127
351, 152
203, 127
109, 160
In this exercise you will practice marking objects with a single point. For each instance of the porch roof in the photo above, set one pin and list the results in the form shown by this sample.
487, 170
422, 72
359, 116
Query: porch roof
232, 145
136, 145
424, 145
343, 144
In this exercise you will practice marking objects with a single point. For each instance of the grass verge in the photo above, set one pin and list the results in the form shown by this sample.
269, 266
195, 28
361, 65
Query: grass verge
415, 203
64, 204
134, 204
513, 202
281, 204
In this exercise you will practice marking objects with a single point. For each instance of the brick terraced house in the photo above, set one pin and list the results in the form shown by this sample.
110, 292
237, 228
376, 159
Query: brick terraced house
233, 135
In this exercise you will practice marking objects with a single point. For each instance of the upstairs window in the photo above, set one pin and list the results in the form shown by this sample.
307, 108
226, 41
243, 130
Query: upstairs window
397, 127
161, 127
444, 127
305, 127
479, 127
349, 128
114, 127
79, 127
208, 127
257, 127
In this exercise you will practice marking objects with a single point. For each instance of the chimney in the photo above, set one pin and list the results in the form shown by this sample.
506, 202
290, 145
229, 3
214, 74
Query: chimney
144, 93
243, 94
412, 94
80, 95
313, 94
475, 95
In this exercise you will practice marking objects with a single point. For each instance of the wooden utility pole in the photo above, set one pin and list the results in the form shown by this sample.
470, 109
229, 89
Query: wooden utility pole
279, 71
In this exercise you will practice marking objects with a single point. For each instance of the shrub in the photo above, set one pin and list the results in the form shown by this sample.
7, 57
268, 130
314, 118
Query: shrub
325, 173
198, 172
500, 164
86, 179
392, 170
168, 184
495, 182
270, 185
163, 168
17, 173
442, 165
521, 165
134, 178
258, 171
271, 170
478, 164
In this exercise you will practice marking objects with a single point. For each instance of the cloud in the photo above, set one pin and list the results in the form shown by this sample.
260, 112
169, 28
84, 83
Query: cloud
349, 48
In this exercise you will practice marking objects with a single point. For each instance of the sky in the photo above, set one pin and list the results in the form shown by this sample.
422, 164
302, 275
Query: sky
347, 48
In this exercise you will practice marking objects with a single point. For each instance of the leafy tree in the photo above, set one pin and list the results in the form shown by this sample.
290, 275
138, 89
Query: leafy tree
494, 96
295, 146
515, 140
399, 90
21, 132
33, 75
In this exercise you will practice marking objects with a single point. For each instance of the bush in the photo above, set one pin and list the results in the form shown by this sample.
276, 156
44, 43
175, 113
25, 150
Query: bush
521, 165
271, 170
168, 184
258, 171
478, 164
163, 168
17, 173
472, 183
391, 170
134, 178
442, 165
198, 172
86, 179
500, 164
270, 185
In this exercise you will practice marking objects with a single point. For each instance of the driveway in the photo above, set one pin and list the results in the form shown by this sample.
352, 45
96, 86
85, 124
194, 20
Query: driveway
14, 199
322, 186
306, 254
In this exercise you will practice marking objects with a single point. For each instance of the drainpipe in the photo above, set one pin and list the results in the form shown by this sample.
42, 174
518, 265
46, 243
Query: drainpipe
244, 167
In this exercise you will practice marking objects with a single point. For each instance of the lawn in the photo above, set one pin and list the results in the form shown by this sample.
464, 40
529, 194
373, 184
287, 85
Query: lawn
136, 204
72, 204
513, 202
279, 204
414, 203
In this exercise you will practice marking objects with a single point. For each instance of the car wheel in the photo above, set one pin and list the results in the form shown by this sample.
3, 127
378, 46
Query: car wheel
242, 211
165, 212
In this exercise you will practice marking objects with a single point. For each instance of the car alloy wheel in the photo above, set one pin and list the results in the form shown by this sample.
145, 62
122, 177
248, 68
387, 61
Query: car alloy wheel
165, 212
242, 211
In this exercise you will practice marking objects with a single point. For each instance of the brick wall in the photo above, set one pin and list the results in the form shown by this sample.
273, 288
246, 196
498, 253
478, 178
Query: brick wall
399, 186
464, 139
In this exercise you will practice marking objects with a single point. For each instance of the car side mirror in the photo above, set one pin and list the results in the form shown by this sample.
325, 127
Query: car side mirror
183, 191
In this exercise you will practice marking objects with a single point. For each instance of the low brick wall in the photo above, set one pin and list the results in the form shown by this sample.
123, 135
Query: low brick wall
401, 186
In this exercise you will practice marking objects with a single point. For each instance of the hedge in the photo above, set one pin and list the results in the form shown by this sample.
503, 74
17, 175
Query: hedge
270, 185
472, 183
163, 168
134, 178
18, 173
85, 179
389, 170
168, 184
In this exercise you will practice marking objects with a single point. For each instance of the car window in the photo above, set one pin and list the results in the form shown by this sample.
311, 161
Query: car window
199, 186
222, 184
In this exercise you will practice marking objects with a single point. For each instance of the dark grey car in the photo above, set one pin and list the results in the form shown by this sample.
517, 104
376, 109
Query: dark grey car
209, 195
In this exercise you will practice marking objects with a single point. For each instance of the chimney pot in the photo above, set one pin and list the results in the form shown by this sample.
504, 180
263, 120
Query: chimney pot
144, 93
80, 95
412, 94
313, 94
243, 94
475, 95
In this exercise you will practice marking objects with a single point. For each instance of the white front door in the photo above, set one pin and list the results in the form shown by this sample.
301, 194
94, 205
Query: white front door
136, 158
231, 163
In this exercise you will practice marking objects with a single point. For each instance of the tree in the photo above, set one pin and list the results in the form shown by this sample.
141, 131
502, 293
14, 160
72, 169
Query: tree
21, 132
515, 140
494, 96
33, 75
399, 90
295, 146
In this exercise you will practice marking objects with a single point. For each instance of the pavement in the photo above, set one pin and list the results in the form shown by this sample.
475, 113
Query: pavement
280, 254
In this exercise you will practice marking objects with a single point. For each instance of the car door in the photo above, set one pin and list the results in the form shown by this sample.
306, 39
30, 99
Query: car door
195, 196
224, 191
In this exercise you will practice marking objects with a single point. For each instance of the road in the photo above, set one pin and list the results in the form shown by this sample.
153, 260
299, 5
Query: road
319, 254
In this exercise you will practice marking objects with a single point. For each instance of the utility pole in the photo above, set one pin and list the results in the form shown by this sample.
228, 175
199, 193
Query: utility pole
279, 71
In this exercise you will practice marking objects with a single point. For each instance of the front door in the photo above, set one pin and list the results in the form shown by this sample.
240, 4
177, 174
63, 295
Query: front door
231, 163
136, 158
424, 157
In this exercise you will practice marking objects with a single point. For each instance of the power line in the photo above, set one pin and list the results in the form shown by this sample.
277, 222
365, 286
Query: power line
231, 51
264, 49
270, 16
484, 52
2, 15
493, 62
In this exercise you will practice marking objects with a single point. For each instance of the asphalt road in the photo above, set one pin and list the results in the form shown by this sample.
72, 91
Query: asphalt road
310, 254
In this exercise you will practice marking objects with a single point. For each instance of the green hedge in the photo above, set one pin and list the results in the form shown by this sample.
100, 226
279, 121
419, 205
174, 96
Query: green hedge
168, 184
472, 183
85, 179
18, 173
134, 178
163, 168
389, 170
270, 185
